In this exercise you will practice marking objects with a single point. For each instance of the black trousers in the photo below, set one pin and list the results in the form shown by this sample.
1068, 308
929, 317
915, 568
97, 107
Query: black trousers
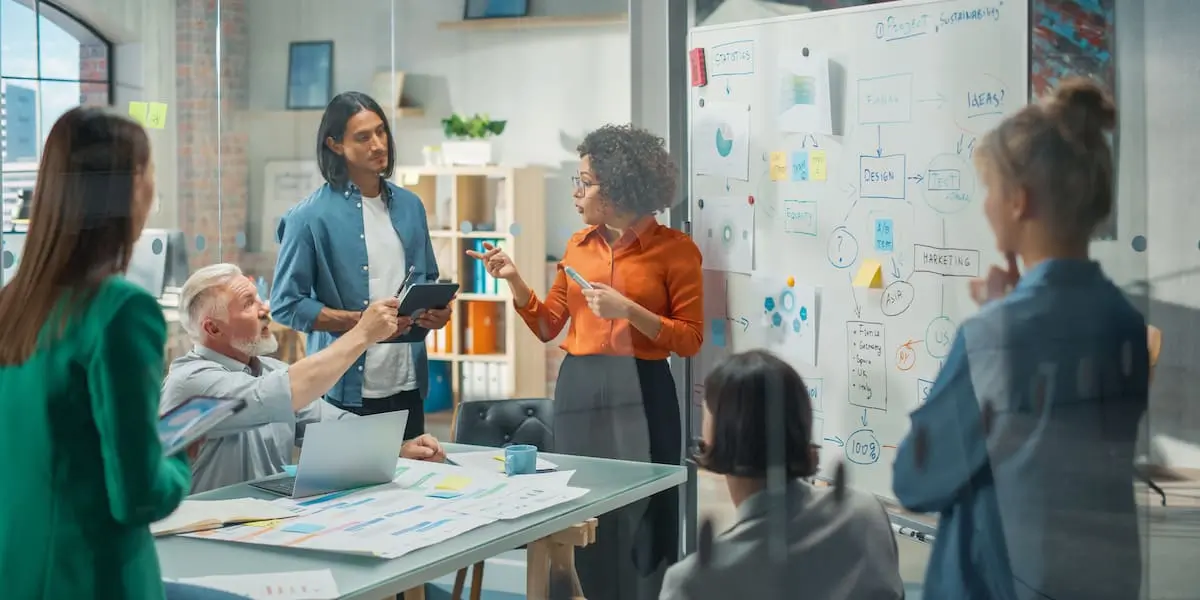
409, 400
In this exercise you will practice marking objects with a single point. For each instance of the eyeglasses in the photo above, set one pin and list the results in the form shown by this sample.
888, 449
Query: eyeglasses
580, 184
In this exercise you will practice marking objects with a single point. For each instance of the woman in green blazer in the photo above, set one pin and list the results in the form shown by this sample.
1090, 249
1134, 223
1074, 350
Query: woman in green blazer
81, 359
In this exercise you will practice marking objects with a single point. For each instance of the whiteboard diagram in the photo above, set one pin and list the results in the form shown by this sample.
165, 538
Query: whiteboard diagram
863, 233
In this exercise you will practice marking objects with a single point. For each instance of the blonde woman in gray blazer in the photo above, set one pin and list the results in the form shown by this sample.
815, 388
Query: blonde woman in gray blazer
835, 549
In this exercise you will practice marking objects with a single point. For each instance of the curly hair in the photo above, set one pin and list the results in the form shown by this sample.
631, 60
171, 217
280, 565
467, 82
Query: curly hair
632, 167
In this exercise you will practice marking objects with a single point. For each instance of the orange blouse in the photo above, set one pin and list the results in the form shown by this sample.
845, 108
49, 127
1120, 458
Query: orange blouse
652, 265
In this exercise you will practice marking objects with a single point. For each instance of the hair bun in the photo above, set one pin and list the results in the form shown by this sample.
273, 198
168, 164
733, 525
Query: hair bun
1083, 108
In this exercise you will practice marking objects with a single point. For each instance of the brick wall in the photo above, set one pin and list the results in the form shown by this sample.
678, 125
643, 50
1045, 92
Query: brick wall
213, 189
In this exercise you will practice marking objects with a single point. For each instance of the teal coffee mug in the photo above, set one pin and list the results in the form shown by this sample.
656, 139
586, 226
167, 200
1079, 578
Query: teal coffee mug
520, 459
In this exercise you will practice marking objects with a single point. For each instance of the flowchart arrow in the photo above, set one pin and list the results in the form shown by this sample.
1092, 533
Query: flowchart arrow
857, 307
727, 184
965, 144
836, 441
743, 321
726, 86
878, 141
917, 178
895, 268
939, 99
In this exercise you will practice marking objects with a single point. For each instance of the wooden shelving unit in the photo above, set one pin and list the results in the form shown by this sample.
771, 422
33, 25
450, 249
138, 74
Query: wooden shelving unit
506, 204
537, 22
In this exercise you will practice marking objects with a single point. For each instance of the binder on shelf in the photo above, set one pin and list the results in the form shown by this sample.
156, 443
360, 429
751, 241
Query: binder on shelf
479, 335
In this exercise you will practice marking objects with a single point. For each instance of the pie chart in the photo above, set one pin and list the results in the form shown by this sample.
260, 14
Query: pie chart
724, 139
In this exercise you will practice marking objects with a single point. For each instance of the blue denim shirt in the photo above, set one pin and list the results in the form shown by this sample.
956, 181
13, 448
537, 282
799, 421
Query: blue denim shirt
323, 263
1027, 443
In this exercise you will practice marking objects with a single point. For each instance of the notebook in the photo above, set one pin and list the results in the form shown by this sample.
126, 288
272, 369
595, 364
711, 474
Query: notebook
199, 515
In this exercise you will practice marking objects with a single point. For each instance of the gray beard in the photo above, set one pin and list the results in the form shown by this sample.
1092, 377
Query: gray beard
258, 347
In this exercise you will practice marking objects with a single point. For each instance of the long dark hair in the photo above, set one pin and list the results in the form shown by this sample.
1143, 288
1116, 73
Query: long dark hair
333, 125
81, 225
736, 393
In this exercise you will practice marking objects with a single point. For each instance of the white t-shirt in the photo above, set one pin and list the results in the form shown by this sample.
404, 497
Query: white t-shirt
389, 367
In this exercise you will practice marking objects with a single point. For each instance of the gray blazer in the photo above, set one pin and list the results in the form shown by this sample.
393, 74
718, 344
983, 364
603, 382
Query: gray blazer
835, 551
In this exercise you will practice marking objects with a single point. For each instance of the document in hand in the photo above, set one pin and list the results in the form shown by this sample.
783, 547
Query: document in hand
201, 515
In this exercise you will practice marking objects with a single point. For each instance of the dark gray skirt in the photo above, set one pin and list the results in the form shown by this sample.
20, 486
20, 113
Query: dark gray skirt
623, 408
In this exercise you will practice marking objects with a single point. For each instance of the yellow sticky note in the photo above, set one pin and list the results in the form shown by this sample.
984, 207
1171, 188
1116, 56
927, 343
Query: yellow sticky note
870, 275
139, 110
267, 523
779, 166
156, 115
816, 165
453, 483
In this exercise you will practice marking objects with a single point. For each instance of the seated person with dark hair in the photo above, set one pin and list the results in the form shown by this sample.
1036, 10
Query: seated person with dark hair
835, 549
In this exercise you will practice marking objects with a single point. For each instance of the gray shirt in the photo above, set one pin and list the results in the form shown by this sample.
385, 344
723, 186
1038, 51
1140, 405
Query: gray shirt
258, 441
835, 551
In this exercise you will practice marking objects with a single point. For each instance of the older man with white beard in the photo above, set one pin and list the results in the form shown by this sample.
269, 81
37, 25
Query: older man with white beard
222, 312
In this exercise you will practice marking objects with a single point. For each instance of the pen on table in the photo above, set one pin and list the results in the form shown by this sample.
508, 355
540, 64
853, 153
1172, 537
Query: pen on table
407, 278
912, 533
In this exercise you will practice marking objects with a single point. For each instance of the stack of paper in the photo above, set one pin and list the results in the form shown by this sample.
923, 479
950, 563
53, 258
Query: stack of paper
200, 515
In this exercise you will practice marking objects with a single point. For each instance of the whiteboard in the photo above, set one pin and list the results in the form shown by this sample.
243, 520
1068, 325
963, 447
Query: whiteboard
858, 150
286, 182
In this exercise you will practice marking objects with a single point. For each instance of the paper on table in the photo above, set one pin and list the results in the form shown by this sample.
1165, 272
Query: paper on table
198, 515
492, 461
296, 585
546, 480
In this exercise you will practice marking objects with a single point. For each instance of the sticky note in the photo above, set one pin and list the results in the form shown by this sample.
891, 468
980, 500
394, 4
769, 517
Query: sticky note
302, 528
139, 111
156, 115
444, 495
816, 165
870, 275
779, 166
799, 166
267, 523
453, 483
718, 332
883, 235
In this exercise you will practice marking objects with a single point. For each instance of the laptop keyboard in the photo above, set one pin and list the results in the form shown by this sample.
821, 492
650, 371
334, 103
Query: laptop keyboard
284, 486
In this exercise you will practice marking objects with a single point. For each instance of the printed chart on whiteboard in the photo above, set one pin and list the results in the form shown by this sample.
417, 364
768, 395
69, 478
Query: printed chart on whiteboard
835, 200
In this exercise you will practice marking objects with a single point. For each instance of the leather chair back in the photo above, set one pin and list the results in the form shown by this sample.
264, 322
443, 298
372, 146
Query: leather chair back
498, 423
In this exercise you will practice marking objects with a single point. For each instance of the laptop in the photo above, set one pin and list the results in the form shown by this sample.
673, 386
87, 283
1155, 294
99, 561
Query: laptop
345, 454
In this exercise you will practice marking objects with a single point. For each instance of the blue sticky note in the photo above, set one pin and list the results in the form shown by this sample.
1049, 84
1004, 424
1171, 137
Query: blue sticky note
800, 166
444, 494
302, 528
883, 235
718, 333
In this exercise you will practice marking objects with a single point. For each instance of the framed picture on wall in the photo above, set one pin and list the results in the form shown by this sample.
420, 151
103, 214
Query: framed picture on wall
495, 9
310, 75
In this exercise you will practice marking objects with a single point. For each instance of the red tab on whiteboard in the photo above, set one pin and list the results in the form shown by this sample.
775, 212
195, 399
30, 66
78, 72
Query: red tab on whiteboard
699, 69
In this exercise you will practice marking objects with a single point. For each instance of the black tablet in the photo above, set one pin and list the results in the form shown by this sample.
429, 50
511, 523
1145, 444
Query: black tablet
416, 299
189, 421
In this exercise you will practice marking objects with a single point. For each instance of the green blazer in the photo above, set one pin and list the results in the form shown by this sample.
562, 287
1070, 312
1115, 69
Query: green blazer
82, 473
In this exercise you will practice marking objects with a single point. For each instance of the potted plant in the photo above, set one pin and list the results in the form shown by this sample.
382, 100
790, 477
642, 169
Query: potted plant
467, 139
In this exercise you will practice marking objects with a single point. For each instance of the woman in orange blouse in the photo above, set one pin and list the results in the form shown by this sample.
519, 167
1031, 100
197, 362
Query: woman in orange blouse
615, 396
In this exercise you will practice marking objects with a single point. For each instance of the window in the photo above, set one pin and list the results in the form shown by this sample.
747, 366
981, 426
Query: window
49, 63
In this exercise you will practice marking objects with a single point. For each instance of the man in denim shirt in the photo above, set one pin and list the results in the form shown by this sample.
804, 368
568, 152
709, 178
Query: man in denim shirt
352, 242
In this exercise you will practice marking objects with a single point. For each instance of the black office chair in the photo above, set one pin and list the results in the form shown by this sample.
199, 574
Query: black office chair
498, 423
